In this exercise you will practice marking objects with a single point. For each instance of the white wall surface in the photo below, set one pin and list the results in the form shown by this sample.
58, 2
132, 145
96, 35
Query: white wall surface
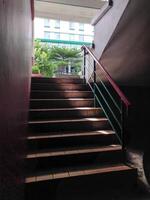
106, 26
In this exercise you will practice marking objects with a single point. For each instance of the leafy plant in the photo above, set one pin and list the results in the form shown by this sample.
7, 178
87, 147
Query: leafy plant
35, 70
53, 59
42, 59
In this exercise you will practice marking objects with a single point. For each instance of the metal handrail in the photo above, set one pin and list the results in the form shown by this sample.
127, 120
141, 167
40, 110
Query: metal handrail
108, 92
116, 111
109, 78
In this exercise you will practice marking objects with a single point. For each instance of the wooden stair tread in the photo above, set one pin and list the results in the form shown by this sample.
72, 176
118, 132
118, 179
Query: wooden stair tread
74, 172
68, 99
57, 91
57, 150
56, 78
91, 133
62, 84
64, 109
73, 151
68, 120
60, 87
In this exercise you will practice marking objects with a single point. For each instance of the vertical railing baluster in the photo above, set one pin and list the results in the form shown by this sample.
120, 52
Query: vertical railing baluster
118, 117
94, 83
123, 116
84, 66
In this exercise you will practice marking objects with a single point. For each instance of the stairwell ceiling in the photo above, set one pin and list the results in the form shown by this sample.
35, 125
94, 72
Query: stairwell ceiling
69, 10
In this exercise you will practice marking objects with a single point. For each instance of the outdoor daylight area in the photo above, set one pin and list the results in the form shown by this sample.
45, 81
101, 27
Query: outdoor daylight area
57, 46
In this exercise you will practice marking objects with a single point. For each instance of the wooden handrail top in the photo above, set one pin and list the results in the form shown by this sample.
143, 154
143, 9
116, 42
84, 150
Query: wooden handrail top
109, 78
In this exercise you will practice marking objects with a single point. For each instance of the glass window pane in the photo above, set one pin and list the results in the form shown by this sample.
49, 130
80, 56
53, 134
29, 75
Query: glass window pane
46, 23
57, 24
57, 36
81, 37
46, 34
71, 25
71, 37
81, 27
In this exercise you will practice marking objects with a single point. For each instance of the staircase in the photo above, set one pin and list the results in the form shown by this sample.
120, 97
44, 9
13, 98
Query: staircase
70, 142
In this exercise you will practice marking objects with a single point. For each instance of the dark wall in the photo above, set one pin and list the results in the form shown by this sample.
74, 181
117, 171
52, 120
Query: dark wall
15, 71
127, 53
127, 59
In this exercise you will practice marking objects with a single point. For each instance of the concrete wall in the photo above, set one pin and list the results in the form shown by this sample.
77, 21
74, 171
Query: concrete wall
106, 26
126, 58
127, 53
15, 71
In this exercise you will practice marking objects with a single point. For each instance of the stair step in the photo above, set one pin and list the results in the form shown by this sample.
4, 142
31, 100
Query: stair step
100, 138
65, 113
55, 159
61, 103
59, 87
66, 76
70, 142
69, 125
75, 150
76, 172
35, 94
70, 134
56, 80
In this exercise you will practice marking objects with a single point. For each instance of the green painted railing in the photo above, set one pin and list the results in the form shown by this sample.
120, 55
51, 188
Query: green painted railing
78, 43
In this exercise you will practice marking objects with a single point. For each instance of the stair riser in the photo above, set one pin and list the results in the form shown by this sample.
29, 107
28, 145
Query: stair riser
52, 143
58, 87
65, 114
69, 126
61, 103
103, 185
60, 95
75, 160
57, 80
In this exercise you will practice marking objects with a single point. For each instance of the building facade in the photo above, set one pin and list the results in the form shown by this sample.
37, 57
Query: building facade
63, 33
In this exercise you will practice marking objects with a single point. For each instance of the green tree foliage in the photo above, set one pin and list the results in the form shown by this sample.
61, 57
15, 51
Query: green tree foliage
35, 69
50, 59
42, 53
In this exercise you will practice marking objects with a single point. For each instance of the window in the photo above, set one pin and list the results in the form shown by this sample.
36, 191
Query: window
92, 30
72, 26
46, 23
81, 37
46, 34
64, 36
81, 27
71, 37
57, 36
57, 24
